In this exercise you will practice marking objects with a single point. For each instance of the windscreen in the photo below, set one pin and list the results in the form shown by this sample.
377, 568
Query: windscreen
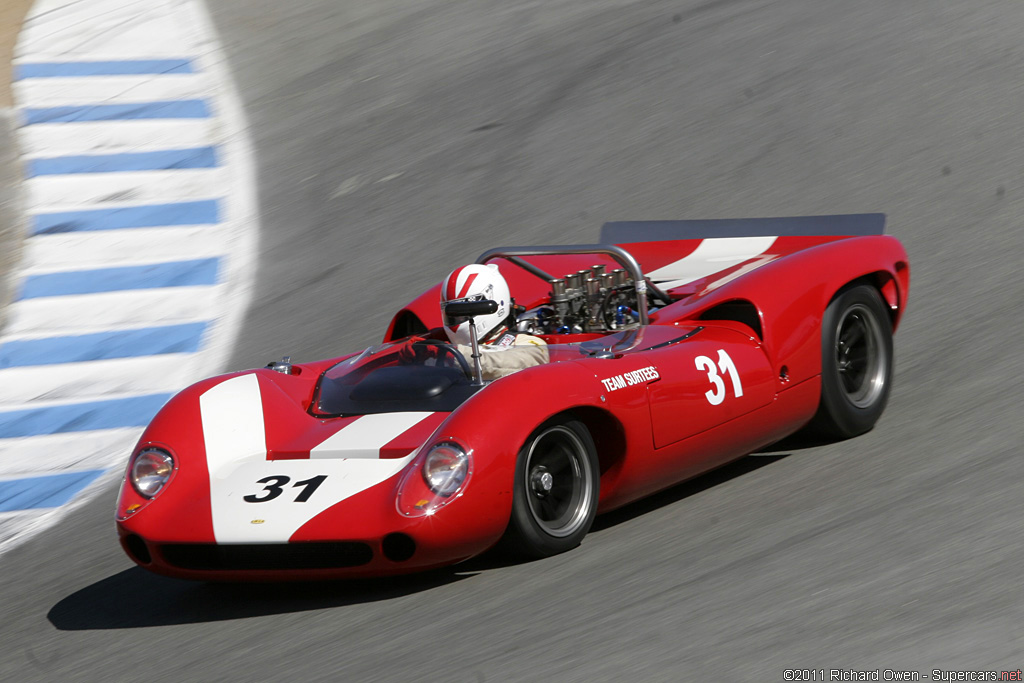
401, 377
428, 375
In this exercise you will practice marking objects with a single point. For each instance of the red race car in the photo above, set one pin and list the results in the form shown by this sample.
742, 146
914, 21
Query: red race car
658, 354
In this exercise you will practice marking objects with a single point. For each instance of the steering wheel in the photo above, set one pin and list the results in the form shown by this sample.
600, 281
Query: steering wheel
450, 347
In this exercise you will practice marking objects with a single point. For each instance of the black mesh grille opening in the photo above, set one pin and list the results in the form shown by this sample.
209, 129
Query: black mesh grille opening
209, 557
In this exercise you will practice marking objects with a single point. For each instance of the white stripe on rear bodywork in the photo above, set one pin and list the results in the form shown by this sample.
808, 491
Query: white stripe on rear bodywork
710, 257
365, 437
236, 451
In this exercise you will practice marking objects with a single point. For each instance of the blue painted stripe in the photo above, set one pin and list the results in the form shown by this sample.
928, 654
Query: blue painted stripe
150, 341
134, 411
200, 157
108, 68
49, 491
149, 216
171, 109
152, 276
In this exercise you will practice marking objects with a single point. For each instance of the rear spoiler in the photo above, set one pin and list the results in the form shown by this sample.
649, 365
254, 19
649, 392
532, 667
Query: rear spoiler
853, 225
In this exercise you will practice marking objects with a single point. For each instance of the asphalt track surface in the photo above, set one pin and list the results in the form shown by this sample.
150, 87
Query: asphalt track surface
398, 140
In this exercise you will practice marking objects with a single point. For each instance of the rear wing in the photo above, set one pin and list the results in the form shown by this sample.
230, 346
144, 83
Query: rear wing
699, 255
846, 225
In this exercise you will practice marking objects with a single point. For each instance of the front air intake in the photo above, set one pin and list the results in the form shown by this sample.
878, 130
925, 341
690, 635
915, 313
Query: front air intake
137, 549
266, 557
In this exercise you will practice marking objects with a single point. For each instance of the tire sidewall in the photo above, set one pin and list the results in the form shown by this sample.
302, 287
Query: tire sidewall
525, 535
837, 415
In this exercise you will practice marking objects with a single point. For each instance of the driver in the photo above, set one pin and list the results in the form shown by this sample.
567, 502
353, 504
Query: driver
502, 350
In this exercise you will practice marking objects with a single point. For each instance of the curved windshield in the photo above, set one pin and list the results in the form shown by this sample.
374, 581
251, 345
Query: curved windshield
408, 376
428, 375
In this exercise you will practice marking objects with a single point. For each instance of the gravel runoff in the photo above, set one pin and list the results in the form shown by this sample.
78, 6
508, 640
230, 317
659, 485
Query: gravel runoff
12, 216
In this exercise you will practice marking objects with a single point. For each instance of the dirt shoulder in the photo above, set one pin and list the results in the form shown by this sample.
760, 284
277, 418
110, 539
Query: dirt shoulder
12, 15
12, 223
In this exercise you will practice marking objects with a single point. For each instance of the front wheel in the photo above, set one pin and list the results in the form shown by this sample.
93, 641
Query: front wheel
856, 363
556, 488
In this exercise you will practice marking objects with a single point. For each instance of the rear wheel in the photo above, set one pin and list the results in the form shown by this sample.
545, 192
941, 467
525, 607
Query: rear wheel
856, 363
556, 488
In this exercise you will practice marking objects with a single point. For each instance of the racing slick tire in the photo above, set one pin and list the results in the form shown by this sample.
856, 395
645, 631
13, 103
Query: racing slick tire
856, 363
557, 481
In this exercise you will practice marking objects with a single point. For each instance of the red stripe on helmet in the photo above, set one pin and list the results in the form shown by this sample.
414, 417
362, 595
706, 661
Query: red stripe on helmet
449, 286
465, 288
450, 293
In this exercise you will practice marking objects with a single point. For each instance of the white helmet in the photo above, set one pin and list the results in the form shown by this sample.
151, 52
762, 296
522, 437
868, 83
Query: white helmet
475, 282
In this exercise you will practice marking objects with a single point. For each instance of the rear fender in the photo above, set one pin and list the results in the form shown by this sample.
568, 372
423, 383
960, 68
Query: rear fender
792, 293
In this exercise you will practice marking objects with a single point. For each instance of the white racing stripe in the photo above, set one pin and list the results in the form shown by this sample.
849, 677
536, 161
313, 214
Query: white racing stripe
233, 433
367, 435
710, 257
276, 519
233, 429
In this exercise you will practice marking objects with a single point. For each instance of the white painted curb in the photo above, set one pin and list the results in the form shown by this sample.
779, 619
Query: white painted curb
143, 226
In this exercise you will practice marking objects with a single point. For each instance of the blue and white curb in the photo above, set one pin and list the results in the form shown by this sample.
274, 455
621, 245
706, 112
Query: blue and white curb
142, 231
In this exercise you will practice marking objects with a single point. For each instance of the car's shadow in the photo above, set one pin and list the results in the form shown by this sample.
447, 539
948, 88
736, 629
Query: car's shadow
135, 598
754, 461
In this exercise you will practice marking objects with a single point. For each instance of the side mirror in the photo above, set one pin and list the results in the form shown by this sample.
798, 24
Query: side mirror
455, 310
470, 309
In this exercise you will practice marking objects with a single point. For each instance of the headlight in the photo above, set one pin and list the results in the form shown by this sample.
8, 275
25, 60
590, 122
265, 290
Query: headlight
150, 471
445, 468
